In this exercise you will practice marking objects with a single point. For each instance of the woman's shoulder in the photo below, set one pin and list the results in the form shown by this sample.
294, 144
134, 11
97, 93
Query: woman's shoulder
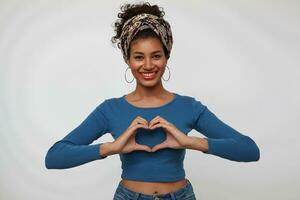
193, 102
189, 98
110, 102
106, 101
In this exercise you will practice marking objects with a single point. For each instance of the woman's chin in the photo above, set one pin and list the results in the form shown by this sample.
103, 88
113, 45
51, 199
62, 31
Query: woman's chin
148, 83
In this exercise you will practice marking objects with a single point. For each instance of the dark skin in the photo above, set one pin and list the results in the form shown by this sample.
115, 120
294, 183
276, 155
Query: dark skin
147, 55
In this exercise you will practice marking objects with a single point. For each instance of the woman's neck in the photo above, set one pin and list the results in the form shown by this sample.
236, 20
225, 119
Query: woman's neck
143, 92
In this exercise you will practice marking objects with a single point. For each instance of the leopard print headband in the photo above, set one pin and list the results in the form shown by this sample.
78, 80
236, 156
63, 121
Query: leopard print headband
144, 21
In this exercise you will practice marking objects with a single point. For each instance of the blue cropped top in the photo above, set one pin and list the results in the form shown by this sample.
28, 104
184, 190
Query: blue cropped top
114, 115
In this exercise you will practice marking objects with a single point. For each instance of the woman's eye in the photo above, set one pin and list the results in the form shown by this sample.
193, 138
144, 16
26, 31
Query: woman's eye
138, 57
157, 56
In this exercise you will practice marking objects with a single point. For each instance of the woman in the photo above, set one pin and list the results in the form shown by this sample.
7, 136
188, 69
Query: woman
150, 125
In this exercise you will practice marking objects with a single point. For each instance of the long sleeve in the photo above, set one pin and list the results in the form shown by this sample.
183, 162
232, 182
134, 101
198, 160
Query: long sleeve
223, 140
75, 148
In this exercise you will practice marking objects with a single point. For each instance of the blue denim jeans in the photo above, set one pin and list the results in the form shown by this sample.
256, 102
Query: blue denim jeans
184, 193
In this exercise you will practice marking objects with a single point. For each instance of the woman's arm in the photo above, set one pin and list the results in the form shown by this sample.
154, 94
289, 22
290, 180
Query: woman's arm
222, 140
75, 149
197, 143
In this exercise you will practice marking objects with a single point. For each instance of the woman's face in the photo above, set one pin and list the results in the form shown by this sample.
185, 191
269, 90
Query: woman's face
147, 61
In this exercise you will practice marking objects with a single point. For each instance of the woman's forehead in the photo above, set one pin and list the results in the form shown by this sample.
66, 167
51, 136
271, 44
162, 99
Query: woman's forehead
147, 44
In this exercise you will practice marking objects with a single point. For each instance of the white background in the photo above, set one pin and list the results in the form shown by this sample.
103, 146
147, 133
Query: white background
240, 58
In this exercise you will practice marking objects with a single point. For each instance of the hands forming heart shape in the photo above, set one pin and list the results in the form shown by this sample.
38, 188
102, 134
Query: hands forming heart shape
174, 138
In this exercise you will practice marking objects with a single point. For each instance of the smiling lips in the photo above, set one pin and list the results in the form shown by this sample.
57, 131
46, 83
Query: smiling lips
149, 75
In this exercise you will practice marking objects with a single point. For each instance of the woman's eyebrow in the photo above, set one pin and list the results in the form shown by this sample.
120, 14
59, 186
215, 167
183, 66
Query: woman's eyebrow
156, 51
137, 52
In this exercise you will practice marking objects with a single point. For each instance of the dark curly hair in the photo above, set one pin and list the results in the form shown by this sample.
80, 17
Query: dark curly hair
130, 10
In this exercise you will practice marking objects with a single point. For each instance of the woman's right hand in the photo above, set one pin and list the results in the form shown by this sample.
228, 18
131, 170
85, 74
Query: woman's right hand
126, 143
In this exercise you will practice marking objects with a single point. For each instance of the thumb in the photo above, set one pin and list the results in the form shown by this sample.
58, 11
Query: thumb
143, 148
159, 146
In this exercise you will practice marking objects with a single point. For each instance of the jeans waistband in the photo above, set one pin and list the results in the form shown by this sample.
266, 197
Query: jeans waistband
172, 195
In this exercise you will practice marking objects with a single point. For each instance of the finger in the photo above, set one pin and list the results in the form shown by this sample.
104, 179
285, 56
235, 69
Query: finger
143, 148
156, 126
159, 146
160, 124
178, 135
138, 120
158, 118
154, 120
136, 126
132, 130
142, 120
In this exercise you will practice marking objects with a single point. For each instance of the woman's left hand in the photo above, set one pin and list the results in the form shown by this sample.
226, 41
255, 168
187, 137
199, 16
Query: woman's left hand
175, 138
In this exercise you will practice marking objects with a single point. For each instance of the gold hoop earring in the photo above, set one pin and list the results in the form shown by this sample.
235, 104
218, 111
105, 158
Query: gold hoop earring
126, 76
169, 74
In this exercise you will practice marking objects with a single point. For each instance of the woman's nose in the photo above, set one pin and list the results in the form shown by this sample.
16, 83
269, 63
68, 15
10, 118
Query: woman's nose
148, 64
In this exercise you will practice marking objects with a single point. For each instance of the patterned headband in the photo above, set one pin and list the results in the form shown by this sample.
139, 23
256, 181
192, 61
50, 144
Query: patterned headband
144, 21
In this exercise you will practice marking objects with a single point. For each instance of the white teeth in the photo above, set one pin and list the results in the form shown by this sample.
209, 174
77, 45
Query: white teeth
148, 74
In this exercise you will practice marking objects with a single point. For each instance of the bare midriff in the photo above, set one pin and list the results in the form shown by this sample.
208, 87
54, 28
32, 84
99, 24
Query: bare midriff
153, 187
